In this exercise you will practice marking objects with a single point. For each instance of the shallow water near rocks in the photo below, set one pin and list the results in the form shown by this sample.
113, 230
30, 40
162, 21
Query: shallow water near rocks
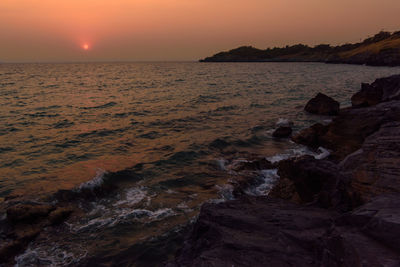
168, 128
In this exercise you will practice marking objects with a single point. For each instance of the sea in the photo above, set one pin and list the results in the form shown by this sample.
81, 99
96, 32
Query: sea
159, 139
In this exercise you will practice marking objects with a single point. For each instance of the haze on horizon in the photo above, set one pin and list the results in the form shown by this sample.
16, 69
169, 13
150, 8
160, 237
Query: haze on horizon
141, 30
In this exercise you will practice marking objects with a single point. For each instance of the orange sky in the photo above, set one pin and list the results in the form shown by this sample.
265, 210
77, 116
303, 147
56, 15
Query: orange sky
56, 30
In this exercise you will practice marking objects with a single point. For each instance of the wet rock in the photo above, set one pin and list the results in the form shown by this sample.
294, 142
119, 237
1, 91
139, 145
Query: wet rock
17, 241
347, 132
310, 136
382, 90
28, 213
323, 105
375, 168
282, 132
59, 215
252, 165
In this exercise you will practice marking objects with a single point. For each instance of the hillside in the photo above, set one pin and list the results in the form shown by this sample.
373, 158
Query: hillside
383, 49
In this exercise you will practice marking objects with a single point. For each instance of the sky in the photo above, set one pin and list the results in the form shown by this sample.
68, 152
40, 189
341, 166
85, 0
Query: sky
175, 30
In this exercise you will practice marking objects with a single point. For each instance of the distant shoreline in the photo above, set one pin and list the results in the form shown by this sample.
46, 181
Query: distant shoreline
383, 49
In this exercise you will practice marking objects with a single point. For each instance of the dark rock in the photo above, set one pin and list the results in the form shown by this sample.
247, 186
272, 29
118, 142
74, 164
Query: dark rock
28, 213
323, 105
20, 238
267, 231
382, 90
378, 219
253, 165
375, 168
347, 132
282, 132
310, 136
59, 215
318, 181
253, 233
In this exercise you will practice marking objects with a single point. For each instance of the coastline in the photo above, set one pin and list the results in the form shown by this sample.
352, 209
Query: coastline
28, 221
383, 49
338, 211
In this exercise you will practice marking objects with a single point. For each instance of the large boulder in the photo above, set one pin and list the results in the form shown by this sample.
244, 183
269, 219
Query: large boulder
310, 136
317, 181
323, 105
256, 232
267, 231
382, 90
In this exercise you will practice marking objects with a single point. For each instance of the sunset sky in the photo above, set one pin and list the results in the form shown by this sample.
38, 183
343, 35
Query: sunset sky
106, 30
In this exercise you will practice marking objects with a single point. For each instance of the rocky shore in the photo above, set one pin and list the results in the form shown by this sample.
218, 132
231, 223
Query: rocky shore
382, 49
338, 211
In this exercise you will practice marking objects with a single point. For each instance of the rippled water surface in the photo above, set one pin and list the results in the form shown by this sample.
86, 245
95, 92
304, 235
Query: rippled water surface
169, 127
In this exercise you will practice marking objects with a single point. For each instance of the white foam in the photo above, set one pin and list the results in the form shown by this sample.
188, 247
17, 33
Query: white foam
290, 153
221, 163
225, 191
50, 255
124, 215
132, 197
324, 153
266, 181
97, 181
283, 122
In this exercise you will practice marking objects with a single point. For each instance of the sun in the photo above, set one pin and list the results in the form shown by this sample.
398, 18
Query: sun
85, 46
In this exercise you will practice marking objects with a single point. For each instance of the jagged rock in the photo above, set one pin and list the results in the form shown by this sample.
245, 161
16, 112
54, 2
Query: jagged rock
318, 181
266, 231
256, 232
323, 105
28, 213
382, 90
375, 168
347, 132
310, 136
282, 132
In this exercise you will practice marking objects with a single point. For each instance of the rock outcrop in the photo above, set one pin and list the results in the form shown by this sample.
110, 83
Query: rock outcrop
282, 132
24, 222
382, 90
323, 105
337, 212
267, 231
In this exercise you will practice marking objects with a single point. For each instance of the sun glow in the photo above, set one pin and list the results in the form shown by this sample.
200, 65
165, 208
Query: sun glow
85, 46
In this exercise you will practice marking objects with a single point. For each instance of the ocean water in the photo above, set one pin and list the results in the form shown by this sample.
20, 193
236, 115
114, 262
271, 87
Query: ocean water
163, 135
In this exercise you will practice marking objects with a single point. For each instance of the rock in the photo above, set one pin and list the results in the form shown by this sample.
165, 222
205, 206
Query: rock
255, 232
282, 132
318, 181
21, 237
323, 105
266, 231
379, 219
310, 136
382, 90
28, 213
347, 132
59, 215
253, 165
375, 168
